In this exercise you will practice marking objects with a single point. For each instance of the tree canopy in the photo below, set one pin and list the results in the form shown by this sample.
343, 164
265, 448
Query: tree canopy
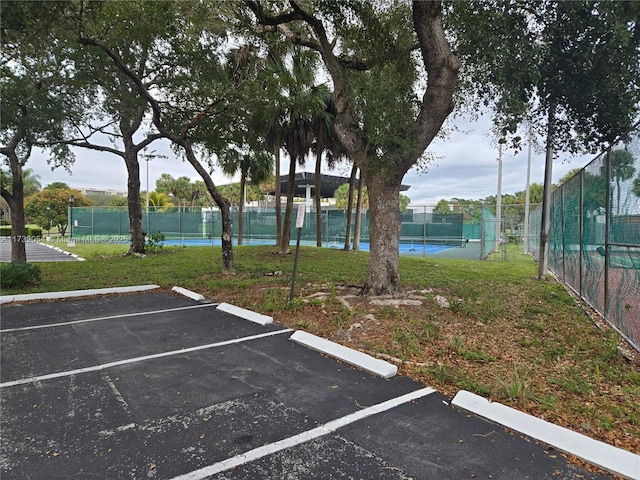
233, 83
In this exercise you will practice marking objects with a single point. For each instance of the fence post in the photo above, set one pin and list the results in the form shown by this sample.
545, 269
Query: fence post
607, 226
564, 249
424, 231
482, 232
581, 246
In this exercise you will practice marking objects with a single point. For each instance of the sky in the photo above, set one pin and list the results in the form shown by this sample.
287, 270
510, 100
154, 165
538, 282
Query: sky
466, 166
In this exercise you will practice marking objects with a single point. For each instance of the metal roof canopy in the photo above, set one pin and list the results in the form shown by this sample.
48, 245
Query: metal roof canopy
305, 181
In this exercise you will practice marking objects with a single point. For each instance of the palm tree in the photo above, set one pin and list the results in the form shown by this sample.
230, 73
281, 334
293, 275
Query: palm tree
622, 169
200, 195
327, 142
159, 201
255, 166
292, 111
30, 182
636, 186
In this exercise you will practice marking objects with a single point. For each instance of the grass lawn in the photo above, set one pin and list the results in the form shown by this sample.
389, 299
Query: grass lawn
501, 334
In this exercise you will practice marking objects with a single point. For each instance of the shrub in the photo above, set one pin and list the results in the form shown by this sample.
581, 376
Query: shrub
154, 241
34, 232
5, 231
18, 275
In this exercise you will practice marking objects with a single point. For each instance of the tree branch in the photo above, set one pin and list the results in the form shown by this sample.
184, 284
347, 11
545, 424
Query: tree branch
263, 19
6, 194
75, 142
17, 137
198, 118
320, 44
144, 93
298, 38
442, 67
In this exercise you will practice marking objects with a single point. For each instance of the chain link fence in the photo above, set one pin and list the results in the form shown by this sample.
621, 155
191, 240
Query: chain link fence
594, 241
456, 233
469, 231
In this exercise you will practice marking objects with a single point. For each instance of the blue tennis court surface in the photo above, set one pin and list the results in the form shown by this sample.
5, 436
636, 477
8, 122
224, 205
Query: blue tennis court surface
406, 248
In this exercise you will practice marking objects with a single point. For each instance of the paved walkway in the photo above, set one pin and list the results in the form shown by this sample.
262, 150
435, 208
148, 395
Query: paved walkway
156, 385
37, 252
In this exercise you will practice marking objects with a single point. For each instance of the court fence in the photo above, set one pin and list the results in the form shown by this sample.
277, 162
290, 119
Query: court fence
471, 228
259, 225
594, 242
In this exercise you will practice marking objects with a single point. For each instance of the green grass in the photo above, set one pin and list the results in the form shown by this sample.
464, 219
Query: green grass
507, 336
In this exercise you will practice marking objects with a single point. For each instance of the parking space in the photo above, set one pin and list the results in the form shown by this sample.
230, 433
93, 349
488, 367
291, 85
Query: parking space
155, 385
37, 252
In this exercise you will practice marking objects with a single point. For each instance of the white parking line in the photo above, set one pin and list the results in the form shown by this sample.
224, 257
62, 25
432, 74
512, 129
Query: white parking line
103, 366
110, 317
303, 437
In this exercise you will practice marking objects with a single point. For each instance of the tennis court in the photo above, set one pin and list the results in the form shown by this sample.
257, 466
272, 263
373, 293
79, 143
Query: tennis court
153, 384
405, 248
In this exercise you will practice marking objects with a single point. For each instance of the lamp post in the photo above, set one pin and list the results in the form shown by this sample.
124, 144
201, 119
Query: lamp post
49, 222
499, 196
71, 200
527, 199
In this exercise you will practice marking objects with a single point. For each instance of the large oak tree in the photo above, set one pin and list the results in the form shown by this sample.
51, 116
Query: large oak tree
368, 50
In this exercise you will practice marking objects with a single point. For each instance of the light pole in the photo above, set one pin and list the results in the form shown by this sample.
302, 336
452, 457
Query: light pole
499, 195
71, 200
527, 199
49, 222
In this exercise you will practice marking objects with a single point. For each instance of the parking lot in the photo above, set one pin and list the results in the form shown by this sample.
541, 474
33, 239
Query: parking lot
154, 384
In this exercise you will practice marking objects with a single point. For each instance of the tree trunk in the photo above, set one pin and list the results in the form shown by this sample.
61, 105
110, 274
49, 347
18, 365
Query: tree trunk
222, 203
136, 231
383, 272
317, 194
356, 228
347, 233
16, 203
278, 195
285, 237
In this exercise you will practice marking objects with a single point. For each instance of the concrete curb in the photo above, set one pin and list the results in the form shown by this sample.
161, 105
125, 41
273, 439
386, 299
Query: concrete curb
610, 458
246, 314
188, 293
346, 354
73, 293
57, 249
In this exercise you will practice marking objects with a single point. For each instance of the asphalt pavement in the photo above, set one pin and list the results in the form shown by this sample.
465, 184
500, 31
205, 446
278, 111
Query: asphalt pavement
152, 384
37, 252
